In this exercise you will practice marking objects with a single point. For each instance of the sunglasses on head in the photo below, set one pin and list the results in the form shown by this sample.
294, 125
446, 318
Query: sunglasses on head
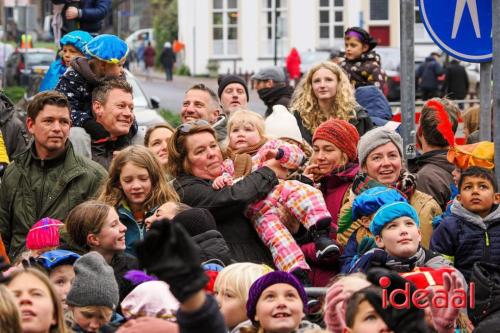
187, 127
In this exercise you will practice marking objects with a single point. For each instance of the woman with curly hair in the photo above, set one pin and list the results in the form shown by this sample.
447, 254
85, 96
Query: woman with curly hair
326, 93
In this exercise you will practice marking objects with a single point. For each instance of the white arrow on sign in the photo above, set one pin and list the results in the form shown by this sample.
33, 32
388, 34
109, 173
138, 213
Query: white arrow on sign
459, 11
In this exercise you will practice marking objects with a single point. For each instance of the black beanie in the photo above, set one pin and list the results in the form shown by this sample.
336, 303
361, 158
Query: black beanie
228, 79
196, 221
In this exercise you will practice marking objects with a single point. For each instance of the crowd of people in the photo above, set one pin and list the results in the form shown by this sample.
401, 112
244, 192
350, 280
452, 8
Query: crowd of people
223, 223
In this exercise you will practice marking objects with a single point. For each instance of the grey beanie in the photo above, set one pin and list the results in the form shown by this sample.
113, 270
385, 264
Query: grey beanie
375, 138
95, 283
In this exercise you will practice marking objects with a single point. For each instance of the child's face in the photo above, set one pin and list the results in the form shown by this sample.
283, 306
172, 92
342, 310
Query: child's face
279, 308
232, 307
158, 143
136, 185
324, 84
62, 278
400, 238
89, 322
477, 195
113, 69
68, 53
243, 136
354, 48
111, 238
367, 320
456, 175
327, 156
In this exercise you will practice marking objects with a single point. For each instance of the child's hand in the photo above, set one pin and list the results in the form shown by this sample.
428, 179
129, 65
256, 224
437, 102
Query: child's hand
335, 308
444, 318
221, 182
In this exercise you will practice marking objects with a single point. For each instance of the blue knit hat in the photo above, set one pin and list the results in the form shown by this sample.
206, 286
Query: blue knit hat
388, 213
266, 281
369, 201
108, 48
78, 39
52, 259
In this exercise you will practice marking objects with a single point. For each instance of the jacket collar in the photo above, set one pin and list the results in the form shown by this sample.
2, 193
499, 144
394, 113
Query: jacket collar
458, 210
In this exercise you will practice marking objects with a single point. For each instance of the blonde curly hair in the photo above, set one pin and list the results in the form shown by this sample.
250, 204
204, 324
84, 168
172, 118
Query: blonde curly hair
306, 104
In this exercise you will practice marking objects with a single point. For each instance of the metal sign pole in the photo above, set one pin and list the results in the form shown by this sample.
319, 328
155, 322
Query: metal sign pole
496, 84
407, 22
485, 101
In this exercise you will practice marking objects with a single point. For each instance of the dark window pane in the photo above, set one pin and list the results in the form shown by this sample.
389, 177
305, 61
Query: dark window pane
324, 32
217, 18
339, 17
217, 4
269, 33
269, 18
418, 19
232, 4
324, 16
338, 31
217, 33
278, 4
379, 9
232, 33
339, 3
324, 3
232, 17
269, 3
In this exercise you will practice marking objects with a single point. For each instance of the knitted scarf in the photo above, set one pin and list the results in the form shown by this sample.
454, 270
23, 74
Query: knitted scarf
406, 183
406, 264
252, 150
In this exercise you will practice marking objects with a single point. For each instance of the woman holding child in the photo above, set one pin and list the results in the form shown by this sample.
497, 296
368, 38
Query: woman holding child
195, 160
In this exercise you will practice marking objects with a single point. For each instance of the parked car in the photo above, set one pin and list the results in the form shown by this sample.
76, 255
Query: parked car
24, 62
141, 35
310, 58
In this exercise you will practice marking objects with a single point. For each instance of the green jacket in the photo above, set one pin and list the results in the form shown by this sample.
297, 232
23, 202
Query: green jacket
32, 189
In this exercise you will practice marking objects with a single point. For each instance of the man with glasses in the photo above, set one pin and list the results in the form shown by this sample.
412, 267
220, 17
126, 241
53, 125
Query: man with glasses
201, 102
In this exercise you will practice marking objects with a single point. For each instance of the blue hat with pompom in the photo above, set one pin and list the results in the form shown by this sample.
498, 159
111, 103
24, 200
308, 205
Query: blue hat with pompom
107, 48
369, 201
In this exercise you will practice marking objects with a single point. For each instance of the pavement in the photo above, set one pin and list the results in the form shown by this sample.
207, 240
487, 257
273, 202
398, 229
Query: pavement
171, 93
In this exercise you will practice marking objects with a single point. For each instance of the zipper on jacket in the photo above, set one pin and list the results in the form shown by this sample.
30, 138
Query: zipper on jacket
487, 248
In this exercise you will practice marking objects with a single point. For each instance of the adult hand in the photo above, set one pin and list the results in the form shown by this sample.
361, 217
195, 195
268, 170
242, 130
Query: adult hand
312, 172
335, 308
444, 319
168, 252
71, 13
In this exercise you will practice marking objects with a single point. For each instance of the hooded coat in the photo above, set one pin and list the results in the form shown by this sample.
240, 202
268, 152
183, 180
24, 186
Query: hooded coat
468, 238
365, 71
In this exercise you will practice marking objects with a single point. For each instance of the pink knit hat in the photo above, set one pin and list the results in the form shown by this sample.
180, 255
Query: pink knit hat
44, 234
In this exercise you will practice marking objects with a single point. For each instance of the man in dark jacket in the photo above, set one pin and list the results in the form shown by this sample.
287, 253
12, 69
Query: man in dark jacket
427, 76
272, 88
456, 83
432, 167
113, 106
86, 15
49, 178
167, 59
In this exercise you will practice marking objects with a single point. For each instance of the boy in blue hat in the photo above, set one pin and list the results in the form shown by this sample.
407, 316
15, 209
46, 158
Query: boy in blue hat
396, 229
72, 46
107, 55
364, 206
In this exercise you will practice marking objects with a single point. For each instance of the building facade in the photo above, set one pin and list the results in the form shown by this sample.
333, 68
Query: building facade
239, 35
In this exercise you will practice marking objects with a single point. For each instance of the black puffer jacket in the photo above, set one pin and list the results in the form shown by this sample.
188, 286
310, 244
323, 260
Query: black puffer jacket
13, 130
486, 314
227, 207
213, 246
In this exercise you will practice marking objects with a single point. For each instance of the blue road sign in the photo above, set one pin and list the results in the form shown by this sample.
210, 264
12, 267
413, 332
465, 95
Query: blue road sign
461, 28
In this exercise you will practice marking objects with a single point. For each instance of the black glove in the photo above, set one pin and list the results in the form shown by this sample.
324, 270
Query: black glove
404, 320
168, 252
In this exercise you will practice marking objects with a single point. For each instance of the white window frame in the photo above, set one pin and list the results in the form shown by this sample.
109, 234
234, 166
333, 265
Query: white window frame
332, 24
267, 45
225, 29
